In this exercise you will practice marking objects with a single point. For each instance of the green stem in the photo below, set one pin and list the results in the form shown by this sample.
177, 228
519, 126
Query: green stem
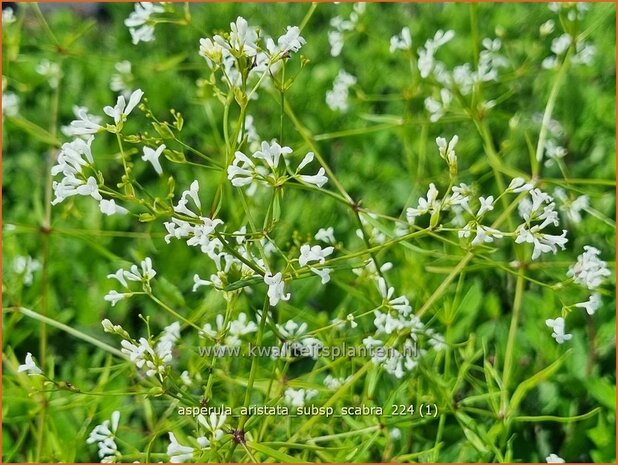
67, 329
510, 343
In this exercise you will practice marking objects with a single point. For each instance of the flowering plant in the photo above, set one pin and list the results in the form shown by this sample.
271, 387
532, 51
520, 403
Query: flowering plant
247, 244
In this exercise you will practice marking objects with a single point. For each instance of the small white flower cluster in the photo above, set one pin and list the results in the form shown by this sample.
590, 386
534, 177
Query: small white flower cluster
552, 147
71, 161
197, 229
336, 36
316, 254
590, 272
105, 437
335, 383
213, 426
553, 458
584, 51
337, 97
8, 16
296, 340
122, 80
397, 319
325, 235
558, 332
72, 158
200, 231
298, 397
152, 156
134, 274
538, 212
140, 24
230, 334
26, 266
263, 168
436, 108
402, 41
426, 54
374, 235
50, 71
154, 359
86, 125
229, 53
462, 78
571, 208
10, 104
79, 111
29, 366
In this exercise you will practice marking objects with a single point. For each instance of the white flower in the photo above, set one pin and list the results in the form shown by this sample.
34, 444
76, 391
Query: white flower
214, 423
298, 397
242, 170
275, 288
519, 185
51, 71
272, 153
177, 452
572, 208
403, 41
318, 179
291, 41
313, 254
589, 270
333, 383
122, 109
436, 108
401, 303
114, 297
8, 16
337, 98
240, 327
121, 81
336, 42
153, 157
10, 104
395, 434
485, 234
428, 205
323, 273
543, 243
185, 378
109, 327
447, 151
561, 44
138, 19
26, 266
557, 327
104, 436
29, 366
325, 235
85, 124
242, 38
138, 354
211, 51
426, 62
547, 27
591, 305
487, 204
553, 458
109, 207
